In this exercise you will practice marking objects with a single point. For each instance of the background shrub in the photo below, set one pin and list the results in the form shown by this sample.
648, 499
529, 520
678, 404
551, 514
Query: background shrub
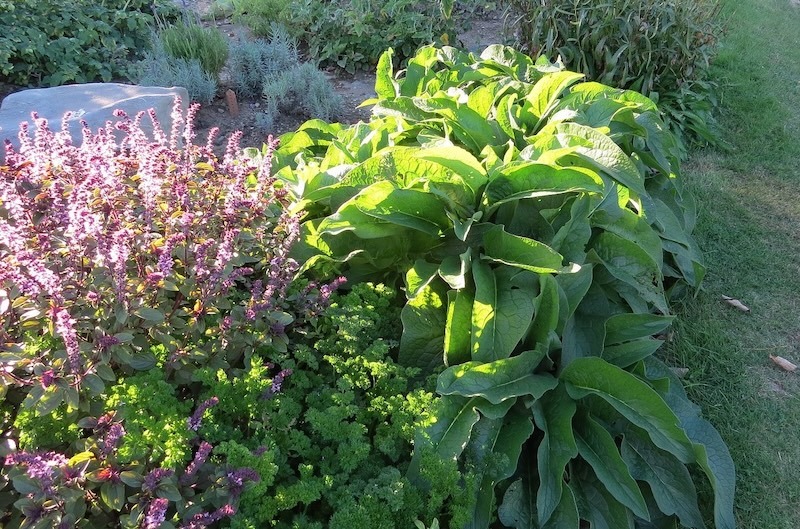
261, 15
189, 40
661, 49
271, 69
159, 68
52, 42
352, 34
254, 62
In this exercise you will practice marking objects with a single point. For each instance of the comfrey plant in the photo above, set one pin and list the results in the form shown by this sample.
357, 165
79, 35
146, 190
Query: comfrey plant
116, 258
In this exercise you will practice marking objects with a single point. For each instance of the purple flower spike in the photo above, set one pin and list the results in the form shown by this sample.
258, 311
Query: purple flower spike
41, 466
204, 519
197, 417
111, 440
156, 513
199, 459
277, 383
237, 478
154, 477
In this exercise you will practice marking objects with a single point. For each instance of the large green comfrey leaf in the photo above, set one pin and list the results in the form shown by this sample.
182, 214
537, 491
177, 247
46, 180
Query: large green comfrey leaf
521, 252
423, 318
500, 313
519, 180
632, 398
667, 477
712, 454
545, 93
499, 380
553, 415
598, 448
502, 440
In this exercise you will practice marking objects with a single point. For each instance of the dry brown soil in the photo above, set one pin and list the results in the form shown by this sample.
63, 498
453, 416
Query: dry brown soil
485, 28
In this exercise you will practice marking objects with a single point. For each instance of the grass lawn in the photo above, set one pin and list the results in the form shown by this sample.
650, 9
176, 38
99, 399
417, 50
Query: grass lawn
749, 228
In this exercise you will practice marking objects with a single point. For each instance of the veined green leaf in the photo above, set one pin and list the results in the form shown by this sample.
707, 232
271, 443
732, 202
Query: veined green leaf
598, 448
385, 85
507, 116
424, 318
668, 478
469, 127
595, 146
454, 269
668, 224
585, 331
419, 276
404, 207
573, 236
521, 252
458, 329
626, 327
455, 418
545, 93
628, 353
419, 71
632, 398
572, 290
351, 218
597, 505
401, 107
500, 314
484, 501
631, 265
518, 509
545, 318
459, 161
499, 380
689, 261
149, 314
630, 226
504, 437
113, 495
712, 454
553, 415
566, 514
481, 99
520, 180
407, 167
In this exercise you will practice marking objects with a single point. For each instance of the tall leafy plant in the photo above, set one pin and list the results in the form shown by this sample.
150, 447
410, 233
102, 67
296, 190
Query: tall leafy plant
540, 228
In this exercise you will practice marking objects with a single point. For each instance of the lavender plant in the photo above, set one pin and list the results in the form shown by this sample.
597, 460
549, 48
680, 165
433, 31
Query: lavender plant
125, 266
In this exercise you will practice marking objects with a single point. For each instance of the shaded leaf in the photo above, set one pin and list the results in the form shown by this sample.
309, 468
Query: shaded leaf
668, 478
596, 504
631, 397
710, 450
553, 415
424, 318
598, 448
458, 329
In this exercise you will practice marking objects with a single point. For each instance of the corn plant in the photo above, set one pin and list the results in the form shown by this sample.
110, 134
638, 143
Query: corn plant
662, 49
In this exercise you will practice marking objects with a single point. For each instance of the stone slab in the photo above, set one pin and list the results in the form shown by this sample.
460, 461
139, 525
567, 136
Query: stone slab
93, 102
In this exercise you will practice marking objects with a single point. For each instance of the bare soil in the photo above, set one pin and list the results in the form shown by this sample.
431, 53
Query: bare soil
485, 28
